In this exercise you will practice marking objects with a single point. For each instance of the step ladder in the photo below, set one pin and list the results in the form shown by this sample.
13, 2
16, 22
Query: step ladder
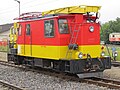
73, 39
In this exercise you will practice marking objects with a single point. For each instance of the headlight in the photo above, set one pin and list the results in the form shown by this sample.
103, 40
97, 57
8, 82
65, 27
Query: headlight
80, 55
103, 54
115, 54
91, 28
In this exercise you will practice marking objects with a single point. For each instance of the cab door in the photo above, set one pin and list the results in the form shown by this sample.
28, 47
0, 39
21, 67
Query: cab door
28, 40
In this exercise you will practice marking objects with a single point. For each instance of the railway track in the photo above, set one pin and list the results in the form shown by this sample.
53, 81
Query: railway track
109, 83
114, 45
115, 63
112, 84
9, 86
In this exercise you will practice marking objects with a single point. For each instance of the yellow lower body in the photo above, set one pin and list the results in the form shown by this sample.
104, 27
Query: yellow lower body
58, 52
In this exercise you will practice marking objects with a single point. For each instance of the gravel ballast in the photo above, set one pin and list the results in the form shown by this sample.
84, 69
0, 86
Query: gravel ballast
39, 81
113, 73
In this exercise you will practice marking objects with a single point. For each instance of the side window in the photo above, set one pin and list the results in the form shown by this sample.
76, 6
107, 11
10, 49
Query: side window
28, 29
20, 30
63, 26
49, 28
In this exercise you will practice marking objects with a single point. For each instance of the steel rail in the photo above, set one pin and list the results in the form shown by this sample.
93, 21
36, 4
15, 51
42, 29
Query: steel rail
115, 63
11, 86
109, 83
112, 84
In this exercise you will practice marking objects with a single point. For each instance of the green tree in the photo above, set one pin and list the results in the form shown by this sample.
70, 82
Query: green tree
109, 27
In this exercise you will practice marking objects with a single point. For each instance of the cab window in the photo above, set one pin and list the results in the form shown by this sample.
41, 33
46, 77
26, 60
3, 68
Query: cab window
28, 29
20, 30
49, 28
63, 26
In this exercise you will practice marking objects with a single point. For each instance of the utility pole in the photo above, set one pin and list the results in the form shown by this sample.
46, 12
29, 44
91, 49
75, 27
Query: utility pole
19, 6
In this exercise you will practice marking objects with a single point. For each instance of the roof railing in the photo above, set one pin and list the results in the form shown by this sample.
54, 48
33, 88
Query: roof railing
82, 9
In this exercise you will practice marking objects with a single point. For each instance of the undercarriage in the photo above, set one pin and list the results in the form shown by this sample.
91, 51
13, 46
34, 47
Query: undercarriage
83, 68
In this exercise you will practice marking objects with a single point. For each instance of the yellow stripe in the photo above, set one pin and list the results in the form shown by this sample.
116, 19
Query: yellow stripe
57, 52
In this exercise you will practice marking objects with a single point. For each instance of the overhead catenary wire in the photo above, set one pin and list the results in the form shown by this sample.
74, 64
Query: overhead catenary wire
41, 4
13, 8
5, 16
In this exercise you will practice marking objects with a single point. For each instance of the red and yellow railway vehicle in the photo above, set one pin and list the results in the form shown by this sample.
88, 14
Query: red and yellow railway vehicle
114, 38
65, 39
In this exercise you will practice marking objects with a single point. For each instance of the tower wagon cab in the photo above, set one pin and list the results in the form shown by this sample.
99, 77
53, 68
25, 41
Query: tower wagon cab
65, 39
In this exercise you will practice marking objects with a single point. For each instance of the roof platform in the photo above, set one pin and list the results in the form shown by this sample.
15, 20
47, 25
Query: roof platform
73, 9
82, 9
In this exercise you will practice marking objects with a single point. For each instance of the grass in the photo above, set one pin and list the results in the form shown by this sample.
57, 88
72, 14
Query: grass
117, 49
3, 48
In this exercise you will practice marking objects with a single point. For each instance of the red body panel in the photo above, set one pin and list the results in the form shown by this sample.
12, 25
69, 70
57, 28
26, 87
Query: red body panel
85, 37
